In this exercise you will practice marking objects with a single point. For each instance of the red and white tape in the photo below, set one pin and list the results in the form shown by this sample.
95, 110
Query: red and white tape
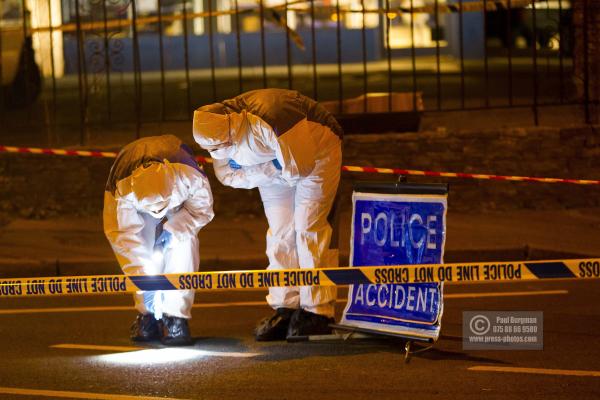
57, 152
398, 171
80, 153
347, 168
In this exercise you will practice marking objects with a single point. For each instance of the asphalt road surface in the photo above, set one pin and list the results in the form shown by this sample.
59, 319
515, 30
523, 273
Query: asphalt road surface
78, 347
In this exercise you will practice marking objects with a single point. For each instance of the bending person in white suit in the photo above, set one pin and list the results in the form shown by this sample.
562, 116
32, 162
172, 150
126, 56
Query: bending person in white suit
290, 147
156, 200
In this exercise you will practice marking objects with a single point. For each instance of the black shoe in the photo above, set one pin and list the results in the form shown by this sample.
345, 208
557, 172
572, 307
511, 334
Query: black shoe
305, 323
175, 331
274, 327
144, 328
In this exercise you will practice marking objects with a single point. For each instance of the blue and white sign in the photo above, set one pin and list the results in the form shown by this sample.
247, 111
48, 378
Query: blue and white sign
397, 229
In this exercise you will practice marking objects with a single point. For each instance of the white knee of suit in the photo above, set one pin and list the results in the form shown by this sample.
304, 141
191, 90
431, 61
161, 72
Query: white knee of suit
278, 202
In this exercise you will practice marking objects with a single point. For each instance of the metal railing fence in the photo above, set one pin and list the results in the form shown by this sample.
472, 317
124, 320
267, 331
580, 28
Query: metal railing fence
120, 64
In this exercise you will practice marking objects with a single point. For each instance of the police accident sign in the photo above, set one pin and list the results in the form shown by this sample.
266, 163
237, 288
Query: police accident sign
397, 229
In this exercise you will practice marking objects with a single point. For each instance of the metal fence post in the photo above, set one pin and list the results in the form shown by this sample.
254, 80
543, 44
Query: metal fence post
314, 48
534, 62
339, 56
137, 73
186, 60
81, 72
586, 65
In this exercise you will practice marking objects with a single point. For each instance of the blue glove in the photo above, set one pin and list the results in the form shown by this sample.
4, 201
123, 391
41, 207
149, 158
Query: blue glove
234, 165
276, 164
163, 240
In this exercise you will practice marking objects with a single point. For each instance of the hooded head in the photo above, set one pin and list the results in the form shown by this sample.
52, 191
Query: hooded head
212, 126
218, 129
152, 185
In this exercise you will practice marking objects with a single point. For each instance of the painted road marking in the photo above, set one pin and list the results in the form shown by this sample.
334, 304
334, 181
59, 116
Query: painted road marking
93, 347
263, 303
542, 371
124, 349
76, 395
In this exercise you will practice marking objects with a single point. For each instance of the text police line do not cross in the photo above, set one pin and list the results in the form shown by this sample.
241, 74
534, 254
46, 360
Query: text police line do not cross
394, 274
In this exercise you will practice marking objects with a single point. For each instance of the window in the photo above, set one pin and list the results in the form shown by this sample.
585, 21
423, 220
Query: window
425, 30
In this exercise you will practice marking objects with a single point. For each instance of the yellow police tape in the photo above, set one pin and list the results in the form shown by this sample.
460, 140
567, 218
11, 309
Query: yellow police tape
199, 281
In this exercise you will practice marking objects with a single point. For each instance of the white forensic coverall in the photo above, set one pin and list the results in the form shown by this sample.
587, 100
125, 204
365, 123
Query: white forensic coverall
305, 139
156, 184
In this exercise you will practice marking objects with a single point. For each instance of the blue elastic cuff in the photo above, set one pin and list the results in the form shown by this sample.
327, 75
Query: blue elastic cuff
234, 165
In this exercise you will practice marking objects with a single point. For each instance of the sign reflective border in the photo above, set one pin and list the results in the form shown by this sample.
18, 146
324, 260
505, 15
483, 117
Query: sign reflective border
393, 229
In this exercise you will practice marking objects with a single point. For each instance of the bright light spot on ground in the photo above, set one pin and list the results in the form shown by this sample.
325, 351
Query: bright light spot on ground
168, 355
152, 356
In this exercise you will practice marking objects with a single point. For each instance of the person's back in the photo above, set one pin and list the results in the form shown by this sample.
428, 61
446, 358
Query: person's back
282, 109
147, 150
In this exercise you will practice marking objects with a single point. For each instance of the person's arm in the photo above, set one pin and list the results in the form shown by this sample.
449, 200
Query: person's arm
122, 227
246, 177
296, 150
197, 210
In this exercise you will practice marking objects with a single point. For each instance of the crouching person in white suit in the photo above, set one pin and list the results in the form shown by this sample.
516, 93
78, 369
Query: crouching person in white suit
288, 146
156, 200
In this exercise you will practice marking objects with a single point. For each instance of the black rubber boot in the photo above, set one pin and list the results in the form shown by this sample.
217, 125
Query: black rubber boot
305, 323
145, 328
274, 327
175, 331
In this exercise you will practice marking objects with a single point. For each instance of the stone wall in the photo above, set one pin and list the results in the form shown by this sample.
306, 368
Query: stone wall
586, 16
36, 186
544, 152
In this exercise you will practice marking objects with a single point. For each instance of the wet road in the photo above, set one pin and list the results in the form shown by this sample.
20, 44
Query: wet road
78, 347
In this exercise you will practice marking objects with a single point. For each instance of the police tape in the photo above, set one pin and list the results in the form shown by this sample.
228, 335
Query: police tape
347, 168
396, 274
463, 175
78, 153
57, 152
